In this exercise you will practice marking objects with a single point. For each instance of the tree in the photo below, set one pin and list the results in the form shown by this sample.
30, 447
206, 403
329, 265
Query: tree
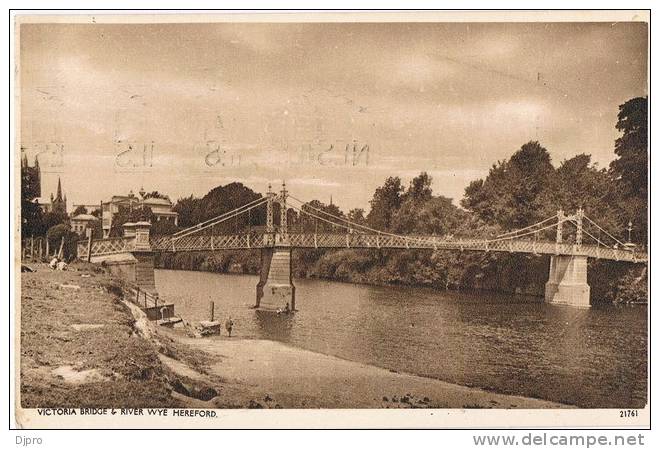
188, 210
632, 164
80, 210
385, 202
357, 216
325, 222
154, 194
31, 214
631, 167
163, 227
511, 195
420, 188
61, 234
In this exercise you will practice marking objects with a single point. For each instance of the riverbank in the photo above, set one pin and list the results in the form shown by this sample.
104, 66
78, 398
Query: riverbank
269, 374
83, 345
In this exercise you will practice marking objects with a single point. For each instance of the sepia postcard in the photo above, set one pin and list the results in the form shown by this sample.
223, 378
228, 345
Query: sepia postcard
331, 220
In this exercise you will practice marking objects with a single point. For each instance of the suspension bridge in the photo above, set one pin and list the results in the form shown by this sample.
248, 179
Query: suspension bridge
570, 239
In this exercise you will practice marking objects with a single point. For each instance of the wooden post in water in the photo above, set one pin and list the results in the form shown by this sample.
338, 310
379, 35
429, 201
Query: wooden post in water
211, 310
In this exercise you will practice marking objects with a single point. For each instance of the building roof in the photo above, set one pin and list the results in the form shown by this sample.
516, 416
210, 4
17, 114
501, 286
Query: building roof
161, 201
85, 217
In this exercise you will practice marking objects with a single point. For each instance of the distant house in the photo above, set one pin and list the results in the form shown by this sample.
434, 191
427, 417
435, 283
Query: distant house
81, 222
160, 207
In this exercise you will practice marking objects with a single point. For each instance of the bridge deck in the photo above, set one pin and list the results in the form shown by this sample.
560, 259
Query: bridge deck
381, 241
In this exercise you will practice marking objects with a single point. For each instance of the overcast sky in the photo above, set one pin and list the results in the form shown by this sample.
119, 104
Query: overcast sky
450, 99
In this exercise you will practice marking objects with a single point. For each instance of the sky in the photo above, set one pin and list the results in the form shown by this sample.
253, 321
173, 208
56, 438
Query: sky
332, 108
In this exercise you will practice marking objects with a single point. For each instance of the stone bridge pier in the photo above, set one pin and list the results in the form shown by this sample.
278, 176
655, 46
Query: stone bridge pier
135, 264
567, 281
275, 288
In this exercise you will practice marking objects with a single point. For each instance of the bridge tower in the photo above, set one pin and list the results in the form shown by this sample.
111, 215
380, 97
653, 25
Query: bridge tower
567, 280
275, 288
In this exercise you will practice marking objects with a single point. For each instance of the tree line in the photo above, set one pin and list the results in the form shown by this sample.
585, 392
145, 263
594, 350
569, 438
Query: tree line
517, 192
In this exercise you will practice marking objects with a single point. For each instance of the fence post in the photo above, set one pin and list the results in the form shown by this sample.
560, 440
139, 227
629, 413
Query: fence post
60, 253
32, 248
89, 245
47, 249
137, 296
41, 254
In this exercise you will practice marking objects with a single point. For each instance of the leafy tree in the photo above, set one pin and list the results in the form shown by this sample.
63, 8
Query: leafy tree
631, 167
56, 233
31, 214
511, 195
62, 235
325, 224
163, 227
50, 219
420, 188
188, 209
385, 202
80, 210
632, 164
155, 194
357, 216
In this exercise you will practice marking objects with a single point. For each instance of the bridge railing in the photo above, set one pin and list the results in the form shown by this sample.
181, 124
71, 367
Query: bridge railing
208, 242
386, 241
104, 247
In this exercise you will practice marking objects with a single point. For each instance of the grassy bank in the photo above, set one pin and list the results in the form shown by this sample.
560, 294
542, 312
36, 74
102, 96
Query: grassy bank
80, 346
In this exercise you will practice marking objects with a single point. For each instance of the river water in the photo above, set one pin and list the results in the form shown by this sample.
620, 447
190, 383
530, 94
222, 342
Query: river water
592, 358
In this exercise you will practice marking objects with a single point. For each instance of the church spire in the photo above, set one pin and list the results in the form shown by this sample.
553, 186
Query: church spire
59, 190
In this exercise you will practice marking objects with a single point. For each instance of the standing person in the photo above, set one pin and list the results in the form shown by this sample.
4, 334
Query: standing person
229, 324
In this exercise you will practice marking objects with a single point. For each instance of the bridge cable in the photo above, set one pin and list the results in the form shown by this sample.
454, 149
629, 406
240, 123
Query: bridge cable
234, 213
345, 220
525, 228
607, 233
399, 235
498, 239
587, 232
262, 199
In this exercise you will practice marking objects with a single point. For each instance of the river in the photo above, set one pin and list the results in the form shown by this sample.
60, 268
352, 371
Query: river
593, 358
